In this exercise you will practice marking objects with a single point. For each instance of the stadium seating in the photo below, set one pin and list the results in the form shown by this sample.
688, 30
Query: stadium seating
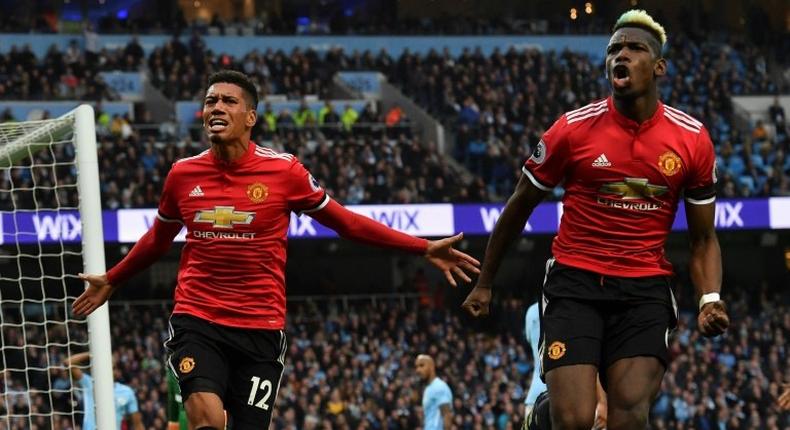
497, 106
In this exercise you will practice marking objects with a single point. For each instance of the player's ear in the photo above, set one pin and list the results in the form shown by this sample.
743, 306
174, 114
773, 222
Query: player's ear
252, 118
660, 67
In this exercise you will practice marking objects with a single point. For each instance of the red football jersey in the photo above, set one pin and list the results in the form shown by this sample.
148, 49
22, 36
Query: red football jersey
232, 269
622, 184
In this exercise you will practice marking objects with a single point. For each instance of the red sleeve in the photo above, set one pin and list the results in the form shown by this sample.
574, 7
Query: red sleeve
545, 168
305, 194
352, 226
701, 181
153, 245
168, 204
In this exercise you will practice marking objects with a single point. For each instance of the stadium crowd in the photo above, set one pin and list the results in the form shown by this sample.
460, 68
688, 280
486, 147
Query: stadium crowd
350, 366
70, 74
498, 106
357, 168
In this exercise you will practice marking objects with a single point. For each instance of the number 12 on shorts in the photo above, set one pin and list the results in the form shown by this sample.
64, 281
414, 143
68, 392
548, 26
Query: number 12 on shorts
266, 387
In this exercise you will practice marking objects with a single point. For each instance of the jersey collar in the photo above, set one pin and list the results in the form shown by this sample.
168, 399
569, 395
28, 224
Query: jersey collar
631, 124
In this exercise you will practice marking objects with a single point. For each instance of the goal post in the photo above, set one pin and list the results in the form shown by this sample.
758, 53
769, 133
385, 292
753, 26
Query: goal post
49, 170
93, 262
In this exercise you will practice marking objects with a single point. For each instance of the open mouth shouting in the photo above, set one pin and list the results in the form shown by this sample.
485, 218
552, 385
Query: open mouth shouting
621, 76
216, 125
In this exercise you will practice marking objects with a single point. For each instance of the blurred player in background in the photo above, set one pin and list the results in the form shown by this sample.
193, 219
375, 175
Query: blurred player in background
227, 344
176, 415
532, 333
125, 399
624, 162
536, 405
437, 398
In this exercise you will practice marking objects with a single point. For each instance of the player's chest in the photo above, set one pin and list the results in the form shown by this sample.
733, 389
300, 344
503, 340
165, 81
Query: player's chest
238, 202
647, 158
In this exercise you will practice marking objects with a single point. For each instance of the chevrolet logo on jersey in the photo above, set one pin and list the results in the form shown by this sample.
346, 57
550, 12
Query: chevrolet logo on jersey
224, 216
633, 188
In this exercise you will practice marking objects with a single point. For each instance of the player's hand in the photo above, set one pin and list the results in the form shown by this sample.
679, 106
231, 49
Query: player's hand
478, 301
98, 291
451, 261
712, 319
784, 398
600, 416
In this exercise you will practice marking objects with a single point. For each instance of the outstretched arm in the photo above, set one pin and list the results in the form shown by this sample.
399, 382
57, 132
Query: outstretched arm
152, 246
74, 362
705, 267
507, 229
358, 228
352, 226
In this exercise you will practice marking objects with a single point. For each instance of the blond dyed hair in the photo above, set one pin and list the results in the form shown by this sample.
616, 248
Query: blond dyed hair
641, 19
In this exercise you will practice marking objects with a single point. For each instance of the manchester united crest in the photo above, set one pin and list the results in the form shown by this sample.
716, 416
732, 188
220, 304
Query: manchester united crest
556, 350
669, 163
257, 192
186, 365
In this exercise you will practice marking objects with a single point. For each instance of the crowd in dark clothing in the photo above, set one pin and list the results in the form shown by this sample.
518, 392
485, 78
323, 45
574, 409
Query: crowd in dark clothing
354, 170
497, 107
350, 365
70, 74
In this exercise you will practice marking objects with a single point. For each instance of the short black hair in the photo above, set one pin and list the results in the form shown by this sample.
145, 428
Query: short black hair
239, 79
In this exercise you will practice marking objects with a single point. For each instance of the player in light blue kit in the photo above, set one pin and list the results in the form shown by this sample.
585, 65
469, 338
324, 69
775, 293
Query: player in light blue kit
536, 405
532, 332
125, 399
437, 399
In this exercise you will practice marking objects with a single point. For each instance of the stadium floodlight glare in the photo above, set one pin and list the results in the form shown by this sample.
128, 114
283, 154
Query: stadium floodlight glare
49, 169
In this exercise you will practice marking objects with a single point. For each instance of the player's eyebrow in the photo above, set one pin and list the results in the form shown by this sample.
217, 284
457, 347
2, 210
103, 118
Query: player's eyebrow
632, 43
221, 96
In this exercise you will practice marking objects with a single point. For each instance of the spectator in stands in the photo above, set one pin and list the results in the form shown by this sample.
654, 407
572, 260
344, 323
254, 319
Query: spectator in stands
327, 114
395, 116
367, 124
329, 120
285, 120
469, 114
776, 113
304, 117
120, 126
134, 50
267, 123
350, 116
759, 133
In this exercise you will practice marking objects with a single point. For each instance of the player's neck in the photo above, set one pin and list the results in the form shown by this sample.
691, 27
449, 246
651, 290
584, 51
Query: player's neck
639, 109
230, 151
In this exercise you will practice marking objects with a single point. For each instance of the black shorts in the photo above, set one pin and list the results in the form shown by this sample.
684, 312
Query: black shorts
587, 318
242, 366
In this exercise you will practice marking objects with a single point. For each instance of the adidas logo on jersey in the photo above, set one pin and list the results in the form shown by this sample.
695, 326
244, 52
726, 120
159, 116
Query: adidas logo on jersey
601, 161
196, 192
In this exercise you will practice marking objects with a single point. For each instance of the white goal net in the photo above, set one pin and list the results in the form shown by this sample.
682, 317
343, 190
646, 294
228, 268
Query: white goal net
45, 221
